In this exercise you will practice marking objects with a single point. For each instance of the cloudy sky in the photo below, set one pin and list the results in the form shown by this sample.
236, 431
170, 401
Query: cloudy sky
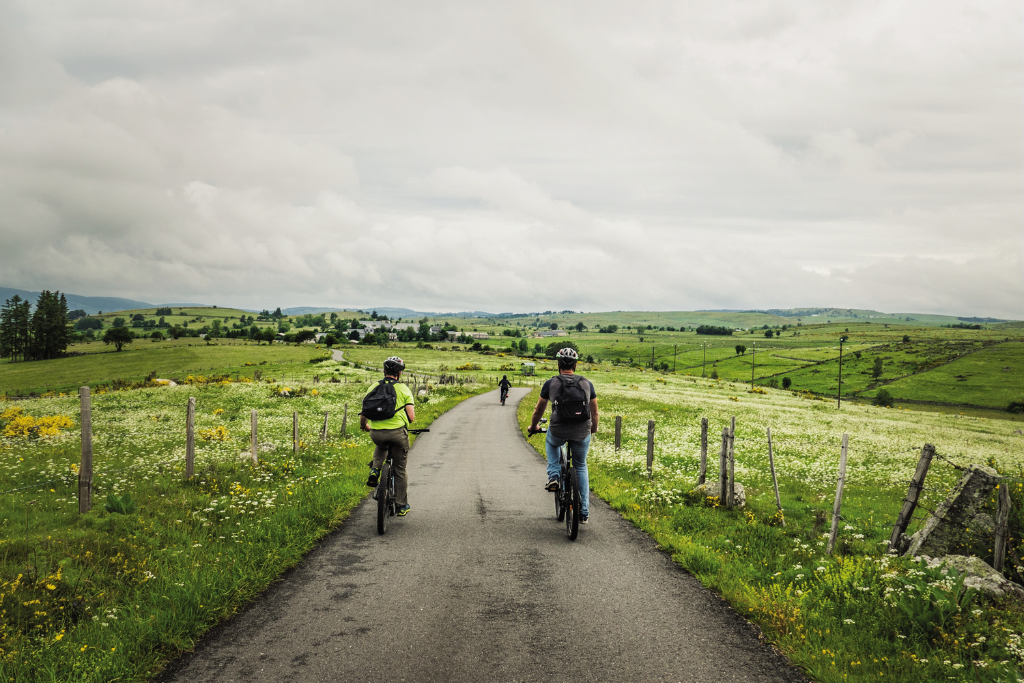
517, 156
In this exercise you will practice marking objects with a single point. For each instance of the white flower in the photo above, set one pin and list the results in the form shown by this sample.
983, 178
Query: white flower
849, 621
820, 569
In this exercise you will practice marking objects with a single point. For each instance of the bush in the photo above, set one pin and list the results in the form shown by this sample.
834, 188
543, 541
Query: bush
555, 347
906, 338
787, 382
714, 330
714, 375
1016, 407
884, 398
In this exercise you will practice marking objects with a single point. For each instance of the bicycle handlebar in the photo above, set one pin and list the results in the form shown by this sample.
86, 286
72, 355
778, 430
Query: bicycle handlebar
418, 431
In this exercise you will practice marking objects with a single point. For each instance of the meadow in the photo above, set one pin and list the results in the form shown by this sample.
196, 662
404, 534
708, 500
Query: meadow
857, 615
115, 593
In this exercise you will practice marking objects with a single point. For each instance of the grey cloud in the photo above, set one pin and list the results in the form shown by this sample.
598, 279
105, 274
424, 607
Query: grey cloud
454, 155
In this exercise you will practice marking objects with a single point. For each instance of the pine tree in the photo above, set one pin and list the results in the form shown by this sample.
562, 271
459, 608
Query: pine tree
15, 337
50, 332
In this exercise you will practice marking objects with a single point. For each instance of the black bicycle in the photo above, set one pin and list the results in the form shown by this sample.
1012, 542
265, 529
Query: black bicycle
384, 494
504, 395
568, 502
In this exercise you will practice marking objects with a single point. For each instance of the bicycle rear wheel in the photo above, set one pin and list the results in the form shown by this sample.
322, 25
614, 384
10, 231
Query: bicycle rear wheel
559, 509
384, 499
572, 505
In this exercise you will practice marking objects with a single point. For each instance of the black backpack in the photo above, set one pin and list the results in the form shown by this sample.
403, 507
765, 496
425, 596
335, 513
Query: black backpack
380, 404
572, 404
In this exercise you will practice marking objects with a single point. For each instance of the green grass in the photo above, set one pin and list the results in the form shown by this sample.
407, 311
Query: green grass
107, 596
991, 377
168, 359
856, 616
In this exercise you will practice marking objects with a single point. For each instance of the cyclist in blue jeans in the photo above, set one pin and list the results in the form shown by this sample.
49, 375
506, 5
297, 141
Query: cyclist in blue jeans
574, 419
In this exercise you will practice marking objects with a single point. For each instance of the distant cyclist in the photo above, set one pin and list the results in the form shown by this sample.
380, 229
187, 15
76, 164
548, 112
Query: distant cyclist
504, 385
574, 419
391, 429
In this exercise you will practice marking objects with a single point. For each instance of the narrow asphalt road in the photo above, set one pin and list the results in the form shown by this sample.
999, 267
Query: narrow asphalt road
480, 583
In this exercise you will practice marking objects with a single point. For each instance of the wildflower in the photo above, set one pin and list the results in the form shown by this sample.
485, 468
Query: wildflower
849, 621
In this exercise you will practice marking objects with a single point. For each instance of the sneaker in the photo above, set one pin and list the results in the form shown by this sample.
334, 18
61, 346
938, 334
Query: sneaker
584, 519
552, 484
403, 510
374, 476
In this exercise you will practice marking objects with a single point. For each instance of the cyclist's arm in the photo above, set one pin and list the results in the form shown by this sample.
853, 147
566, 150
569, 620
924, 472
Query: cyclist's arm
410, 412
593, 416
364, 424
538, 413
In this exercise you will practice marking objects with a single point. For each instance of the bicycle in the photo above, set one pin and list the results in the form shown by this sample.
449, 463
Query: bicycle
568, 503
504, 395
384, 494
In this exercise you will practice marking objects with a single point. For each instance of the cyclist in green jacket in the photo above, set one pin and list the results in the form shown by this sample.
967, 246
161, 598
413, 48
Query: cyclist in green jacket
393, 434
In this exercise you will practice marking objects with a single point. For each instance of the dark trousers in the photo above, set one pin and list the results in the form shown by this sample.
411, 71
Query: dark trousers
398, 442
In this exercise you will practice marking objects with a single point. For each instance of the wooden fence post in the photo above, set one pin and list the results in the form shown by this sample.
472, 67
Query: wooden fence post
732, 462
295, 431
344, 422
723, 470
839, 498
775, 481
618, 432
323, 432
253, 437
85, 468
913, 493
1002, 519
190, 437
702, 475
650, 448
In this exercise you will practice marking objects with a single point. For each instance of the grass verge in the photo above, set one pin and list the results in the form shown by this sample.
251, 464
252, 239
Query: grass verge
856, 616
116, 593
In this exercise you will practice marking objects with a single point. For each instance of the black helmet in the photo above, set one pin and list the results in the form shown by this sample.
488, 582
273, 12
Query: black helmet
393, 365
504, 376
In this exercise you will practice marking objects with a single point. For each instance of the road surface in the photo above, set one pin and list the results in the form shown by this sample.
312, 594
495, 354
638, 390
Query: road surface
480, 583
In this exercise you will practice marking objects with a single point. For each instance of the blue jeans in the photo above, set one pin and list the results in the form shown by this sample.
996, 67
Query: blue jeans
579, 459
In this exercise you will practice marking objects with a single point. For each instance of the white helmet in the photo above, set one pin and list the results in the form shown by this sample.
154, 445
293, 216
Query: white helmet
568, 353
394, 364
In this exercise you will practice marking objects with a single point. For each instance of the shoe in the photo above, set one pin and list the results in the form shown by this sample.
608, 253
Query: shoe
403, 510
584, 519
374, 476
552, 484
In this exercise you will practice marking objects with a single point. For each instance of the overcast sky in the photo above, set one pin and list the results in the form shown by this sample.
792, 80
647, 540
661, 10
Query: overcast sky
517, 156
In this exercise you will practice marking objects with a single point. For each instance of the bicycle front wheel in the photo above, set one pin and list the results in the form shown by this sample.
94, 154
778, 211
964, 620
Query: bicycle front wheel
383, 499
572, 506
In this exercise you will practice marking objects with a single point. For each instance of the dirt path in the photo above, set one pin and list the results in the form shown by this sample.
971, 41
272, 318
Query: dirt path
479, 583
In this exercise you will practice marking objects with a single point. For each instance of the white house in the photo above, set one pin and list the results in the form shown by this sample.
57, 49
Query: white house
552, 333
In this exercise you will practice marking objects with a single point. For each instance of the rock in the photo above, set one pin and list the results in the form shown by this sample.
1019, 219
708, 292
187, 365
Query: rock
422, 392
980, 575
285, 393
711, 489
165, 382
948, 530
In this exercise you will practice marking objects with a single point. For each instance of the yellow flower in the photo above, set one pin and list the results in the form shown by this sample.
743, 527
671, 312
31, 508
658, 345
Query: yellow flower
59, 636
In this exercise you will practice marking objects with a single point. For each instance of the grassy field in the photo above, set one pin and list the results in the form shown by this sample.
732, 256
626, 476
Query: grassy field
114, 594
858, 615
168, 359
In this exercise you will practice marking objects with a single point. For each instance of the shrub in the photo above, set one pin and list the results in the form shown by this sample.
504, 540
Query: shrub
906, 338
469, 366
714, 374
787, 382
883, 398
1015, 407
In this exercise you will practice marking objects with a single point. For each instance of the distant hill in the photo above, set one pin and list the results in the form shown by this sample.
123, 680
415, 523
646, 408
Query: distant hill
89, 304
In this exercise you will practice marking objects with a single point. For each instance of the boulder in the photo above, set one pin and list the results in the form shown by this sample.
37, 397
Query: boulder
165, 382
980, 575
949, 529
711, 489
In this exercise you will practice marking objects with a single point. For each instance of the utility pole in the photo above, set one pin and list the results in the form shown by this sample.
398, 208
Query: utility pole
704, 346
674, 354
753, 355
652, 356
839, 402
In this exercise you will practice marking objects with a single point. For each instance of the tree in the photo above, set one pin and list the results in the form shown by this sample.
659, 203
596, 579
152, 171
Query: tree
590, 359
157, 335
883, 398
786, 382
119, 322
554, 326
50, 332
15, 334
76, 314
524, 346
118, 336
769, 334
163, 311
304, 336
353, 335
876, 369
740, 349
330, 340
580, 327
555, 347
89, 324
